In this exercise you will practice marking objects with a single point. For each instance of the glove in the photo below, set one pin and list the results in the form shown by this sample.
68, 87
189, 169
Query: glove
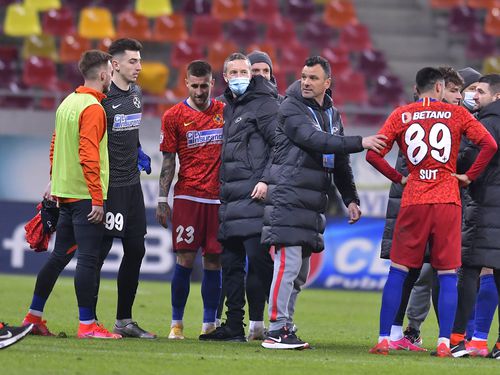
49, 214
143, 161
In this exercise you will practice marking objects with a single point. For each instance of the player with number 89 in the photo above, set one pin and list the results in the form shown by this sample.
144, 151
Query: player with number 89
428, 132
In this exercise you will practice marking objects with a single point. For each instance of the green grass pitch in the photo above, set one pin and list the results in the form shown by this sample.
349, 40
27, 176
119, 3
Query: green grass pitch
341, 327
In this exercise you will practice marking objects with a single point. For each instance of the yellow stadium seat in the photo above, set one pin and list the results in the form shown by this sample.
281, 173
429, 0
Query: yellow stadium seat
42, 5
41, 46
21, 21
491, 65
153, 78
96, 23
153, 8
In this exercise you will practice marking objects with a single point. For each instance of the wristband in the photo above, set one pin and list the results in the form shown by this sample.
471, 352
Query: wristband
162, 199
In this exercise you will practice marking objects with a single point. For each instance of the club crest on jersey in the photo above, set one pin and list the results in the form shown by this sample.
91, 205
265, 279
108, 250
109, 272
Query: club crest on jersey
136, 102
200, 138
406, 117
218, 119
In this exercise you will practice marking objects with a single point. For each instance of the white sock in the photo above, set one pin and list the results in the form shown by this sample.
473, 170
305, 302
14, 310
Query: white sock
87, 322
478, 339
256, 324
396, 333
218, 322
382, 338
35, 312
176, 323
206, 326
444, 340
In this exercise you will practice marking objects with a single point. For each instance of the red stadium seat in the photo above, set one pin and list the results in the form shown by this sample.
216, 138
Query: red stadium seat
8, 65
193, 7
118, 6
317, 34
445, 4
281, 32
351, 88
264, 11
170, 28
243, 31
71, 48
388, 91
133, 25
462, 19
355, 38
338, 57
480, 45
218, 52
492, 22
185, 51
71, 75
58, 22
293, 57
300, 10
372, 63
228, 10
40, 72
481, 4
339, 13
206, 29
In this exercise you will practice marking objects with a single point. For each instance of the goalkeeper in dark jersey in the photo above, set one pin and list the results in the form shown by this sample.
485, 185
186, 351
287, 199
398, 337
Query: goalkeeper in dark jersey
125, 212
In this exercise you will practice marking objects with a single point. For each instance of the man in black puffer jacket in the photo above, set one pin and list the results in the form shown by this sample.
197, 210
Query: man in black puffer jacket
481, 227
308, 133
250, 118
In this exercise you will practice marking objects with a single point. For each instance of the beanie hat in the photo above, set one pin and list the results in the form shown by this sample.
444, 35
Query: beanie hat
260, 56
469, 76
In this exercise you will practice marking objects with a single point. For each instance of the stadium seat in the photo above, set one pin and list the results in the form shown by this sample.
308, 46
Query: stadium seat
133, 25
193, 7
317, 33
21, 21
481, 4
78, 5
355, 38
491, 65
281, 32
206, 28
218, 51
445, 4
41, 46
171, 28
372, 63
243, 31
154, 77
339, 13
462, 19
153, 8
388, 91
118, 6
104, 44
338, 57
351, 88
42, 5
71, 74
184, 52
300, 10
492, 22
8, 65
58, 22
282, 80
96, 23
293, 57
228, 10
40, 72
268, 48
71, 48
480, 45
264, 11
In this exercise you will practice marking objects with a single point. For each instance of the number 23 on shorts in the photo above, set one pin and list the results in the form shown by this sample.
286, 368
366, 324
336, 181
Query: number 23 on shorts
184, 234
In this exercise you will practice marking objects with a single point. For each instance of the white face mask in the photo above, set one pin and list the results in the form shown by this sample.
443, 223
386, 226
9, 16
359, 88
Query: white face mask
469, 101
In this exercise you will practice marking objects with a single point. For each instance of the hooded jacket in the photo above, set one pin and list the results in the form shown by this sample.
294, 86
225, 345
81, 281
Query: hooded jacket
297, 192
481, 224
248, 136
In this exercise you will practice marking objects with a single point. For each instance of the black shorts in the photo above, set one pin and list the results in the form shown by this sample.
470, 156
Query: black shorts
125, 212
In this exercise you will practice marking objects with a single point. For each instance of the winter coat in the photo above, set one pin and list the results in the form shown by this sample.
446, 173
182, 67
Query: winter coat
248, 136
298, 185
481, 224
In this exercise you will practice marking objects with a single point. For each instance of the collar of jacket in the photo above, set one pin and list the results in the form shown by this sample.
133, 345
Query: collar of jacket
295, 92
492, 109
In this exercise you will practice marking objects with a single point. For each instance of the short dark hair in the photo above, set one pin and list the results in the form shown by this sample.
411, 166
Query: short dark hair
450, 75
318, 60
235, 56
92, 60
199, 68
426, 79
493, 80
124, 44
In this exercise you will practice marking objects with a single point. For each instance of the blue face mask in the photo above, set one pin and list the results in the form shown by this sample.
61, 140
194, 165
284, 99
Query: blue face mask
469, 101
239, 85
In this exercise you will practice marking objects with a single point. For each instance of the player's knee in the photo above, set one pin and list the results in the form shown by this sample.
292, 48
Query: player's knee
186, 259
212, 262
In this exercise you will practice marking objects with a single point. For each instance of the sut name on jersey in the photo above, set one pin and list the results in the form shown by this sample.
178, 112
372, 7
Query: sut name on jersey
127, 122
200, 138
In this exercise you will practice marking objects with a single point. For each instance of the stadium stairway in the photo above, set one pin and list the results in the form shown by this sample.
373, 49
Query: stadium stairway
406, 32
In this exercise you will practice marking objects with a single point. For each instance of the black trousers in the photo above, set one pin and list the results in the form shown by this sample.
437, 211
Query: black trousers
74, 232
258, 280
